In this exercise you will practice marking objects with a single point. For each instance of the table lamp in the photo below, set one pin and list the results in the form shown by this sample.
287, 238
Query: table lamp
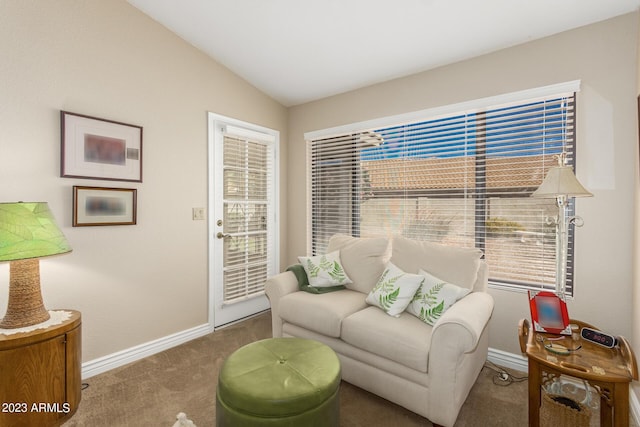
560, 184
28, 231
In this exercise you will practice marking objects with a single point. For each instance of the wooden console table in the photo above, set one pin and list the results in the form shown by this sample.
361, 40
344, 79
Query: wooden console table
40, 375
609, 371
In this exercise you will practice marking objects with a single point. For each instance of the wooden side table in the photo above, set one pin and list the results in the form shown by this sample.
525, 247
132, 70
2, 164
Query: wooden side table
40, 374
609, 371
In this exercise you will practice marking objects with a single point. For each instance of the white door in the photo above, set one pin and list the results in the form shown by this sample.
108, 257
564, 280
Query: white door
243, 228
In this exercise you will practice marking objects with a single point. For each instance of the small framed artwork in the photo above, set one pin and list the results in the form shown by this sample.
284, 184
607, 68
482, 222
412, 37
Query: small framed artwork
100, 149
103, 206
549, 313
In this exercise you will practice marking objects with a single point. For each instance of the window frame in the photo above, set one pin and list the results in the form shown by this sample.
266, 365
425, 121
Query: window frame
481, 203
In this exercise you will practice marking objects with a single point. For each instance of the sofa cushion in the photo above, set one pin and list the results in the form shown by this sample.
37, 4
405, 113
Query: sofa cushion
324, 270
434, 297
395, 290
322, 313
403, 339
364, 259
453, 264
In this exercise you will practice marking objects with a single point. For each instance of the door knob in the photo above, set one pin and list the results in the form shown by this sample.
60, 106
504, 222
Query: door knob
222, 235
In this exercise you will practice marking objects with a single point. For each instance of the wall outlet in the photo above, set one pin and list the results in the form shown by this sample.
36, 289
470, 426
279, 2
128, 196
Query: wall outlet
198, 214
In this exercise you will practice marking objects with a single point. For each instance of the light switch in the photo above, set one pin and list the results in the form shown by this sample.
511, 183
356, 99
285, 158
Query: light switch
198, 214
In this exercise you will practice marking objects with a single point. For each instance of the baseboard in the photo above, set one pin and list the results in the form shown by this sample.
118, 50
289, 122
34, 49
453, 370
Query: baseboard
519, 363
121, 358
508, 360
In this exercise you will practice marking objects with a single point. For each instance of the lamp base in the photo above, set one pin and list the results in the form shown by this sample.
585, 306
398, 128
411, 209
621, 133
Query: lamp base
25, 307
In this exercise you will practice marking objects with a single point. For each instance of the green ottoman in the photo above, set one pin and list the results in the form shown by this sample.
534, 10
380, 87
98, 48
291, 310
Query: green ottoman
279, 382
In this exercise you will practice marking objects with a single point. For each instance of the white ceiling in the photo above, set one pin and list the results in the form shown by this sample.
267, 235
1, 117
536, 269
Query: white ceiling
301, 50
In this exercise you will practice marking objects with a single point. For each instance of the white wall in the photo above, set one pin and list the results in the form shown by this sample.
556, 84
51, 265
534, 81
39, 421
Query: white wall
603, 57
133, 284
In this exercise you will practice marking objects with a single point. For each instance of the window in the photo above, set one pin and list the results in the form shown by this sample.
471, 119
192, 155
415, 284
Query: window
462, 178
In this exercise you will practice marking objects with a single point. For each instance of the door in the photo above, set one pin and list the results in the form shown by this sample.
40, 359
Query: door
243, 246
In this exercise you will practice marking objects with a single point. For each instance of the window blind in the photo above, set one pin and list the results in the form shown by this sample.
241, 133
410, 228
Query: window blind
462, 179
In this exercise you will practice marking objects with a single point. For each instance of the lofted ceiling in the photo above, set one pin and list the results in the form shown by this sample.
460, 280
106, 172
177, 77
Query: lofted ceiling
302, 50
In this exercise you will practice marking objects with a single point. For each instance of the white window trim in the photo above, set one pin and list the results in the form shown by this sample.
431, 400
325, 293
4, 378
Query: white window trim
400, 119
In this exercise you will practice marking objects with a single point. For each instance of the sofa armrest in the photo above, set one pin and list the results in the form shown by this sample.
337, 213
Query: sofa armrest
276, 287
465, 320
459, 347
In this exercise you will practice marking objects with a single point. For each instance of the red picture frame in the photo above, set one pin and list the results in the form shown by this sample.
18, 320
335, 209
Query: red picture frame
549, 313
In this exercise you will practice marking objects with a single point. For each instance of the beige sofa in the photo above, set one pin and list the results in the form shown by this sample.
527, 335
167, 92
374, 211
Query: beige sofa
426, 369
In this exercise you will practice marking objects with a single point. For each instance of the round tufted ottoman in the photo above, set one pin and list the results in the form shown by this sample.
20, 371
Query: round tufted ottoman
279, 382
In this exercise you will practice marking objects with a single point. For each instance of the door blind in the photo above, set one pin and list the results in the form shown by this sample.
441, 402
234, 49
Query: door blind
248, 169
463, 179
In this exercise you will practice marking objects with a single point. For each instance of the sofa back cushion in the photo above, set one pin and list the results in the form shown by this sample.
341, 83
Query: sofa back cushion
453, 264
363, 258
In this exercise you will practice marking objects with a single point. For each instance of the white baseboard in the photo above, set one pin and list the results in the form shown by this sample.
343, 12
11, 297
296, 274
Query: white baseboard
519, 363
121, 358
508, 360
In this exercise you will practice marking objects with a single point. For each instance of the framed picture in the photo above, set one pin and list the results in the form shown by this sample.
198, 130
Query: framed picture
103, 206
549, 312
100, 149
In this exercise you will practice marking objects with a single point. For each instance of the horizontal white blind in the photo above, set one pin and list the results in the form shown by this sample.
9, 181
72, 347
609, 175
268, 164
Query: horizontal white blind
248, 170
464, 179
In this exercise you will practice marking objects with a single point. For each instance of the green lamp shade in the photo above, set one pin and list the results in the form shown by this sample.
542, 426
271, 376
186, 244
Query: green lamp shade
28, 230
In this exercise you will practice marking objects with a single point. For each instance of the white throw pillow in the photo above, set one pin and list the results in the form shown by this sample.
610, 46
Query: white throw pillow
395, 290
434, 297
324, 270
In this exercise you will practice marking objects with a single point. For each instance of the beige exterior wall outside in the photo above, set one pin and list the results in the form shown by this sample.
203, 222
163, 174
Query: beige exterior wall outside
603, 57
133, 284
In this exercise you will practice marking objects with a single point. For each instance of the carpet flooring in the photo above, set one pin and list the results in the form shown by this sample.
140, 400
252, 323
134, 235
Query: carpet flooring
151, 391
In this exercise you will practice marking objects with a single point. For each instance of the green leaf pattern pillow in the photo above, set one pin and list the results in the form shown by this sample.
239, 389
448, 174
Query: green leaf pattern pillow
434, 297
325, 270
394, 290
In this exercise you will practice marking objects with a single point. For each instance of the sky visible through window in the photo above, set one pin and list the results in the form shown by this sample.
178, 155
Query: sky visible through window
524, 130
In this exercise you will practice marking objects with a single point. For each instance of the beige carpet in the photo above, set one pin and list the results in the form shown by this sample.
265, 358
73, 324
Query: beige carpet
152, 391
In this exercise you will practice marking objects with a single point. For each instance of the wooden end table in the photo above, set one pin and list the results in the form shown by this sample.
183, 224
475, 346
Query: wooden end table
608, 371
40, 374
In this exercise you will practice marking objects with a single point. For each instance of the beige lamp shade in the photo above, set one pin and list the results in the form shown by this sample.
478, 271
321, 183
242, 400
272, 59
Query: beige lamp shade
28, 232
560, 181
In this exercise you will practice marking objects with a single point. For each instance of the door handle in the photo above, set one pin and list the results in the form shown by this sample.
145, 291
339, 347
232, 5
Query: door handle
222, 235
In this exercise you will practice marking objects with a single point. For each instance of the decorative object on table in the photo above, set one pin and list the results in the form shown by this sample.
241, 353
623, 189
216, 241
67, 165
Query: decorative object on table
56, 317
561, 411
549, 312
28, 232
104, 206
561, 184
598, 337
100, 149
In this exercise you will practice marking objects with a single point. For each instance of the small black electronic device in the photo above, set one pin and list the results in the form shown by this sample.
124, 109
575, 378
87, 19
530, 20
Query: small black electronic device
598, 337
